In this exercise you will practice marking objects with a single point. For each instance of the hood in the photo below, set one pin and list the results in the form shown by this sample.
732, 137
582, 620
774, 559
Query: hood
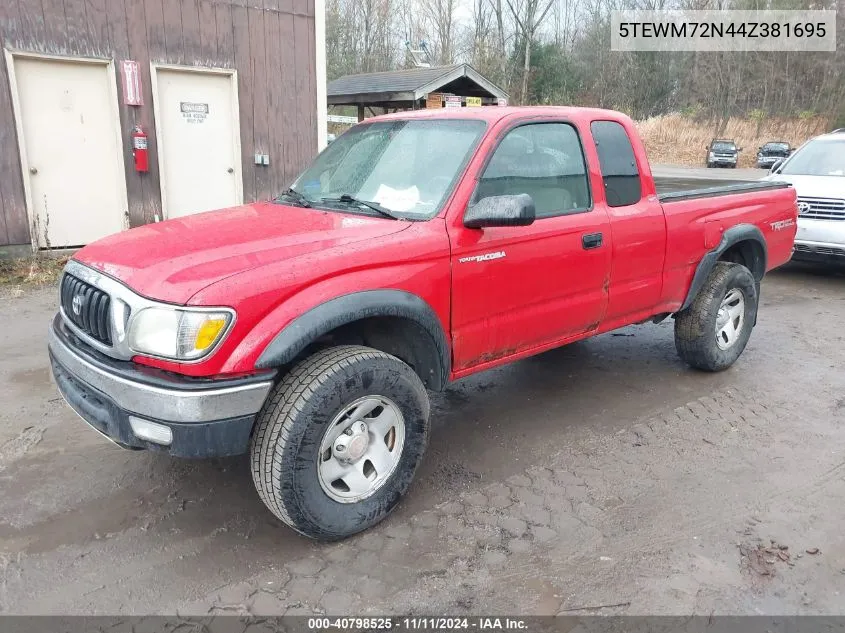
813, 186
173, 260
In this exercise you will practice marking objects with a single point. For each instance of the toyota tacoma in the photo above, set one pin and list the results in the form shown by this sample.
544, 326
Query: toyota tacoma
417, 249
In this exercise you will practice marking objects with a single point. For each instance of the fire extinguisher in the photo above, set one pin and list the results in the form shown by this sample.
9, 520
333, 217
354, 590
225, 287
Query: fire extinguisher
140, 149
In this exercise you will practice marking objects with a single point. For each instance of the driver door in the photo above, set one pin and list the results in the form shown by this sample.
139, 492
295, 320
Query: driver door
515, 289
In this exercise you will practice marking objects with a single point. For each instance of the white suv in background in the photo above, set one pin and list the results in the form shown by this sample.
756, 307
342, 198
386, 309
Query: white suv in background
817, 171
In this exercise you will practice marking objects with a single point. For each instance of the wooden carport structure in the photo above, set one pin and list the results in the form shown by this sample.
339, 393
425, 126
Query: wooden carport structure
410, 89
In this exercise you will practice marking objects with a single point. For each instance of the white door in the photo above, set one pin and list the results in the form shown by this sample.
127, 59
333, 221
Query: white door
198, 132
72, 150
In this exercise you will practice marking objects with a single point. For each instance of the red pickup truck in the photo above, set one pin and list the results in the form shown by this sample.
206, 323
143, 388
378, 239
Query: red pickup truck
418, 248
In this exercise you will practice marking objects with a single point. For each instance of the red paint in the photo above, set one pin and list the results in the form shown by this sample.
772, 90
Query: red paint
272, 262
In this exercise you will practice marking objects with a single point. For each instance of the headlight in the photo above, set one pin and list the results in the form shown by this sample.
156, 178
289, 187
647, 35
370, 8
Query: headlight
178, 334
712, 155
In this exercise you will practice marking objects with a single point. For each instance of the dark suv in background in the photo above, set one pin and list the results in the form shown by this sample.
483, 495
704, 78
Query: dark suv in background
722, 153
772, 152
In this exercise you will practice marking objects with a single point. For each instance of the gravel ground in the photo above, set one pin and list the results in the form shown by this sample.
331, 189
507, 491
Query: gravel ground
603, 473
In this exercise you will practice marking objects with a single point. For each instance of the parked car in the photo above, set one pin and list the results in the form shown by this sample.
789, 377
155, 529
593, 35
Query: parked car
417, 249
722, 153
817, 171
772, 152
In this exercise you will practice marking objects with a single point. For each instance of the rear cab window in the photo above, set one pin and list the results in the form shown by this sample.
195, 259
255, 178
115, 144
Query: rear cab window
619, 170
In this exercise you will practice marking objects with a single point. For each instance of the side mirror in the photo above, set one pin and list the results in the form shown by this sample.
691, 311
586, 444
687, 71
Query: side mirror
775, 166
739, 149
516, 210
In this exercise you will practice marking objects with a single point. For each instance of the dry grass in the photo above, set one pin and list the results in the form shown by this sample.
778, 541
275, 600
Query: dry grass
15, 274
678, 140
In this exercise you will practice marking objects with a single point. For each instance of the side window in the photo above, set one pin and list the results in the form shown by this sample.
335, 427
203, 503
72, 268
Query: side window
619, 171
545, 161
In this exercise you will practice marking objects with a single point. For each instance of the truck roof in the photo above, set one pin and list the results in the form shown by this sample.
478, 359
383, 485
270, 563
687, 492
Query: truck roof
493, 114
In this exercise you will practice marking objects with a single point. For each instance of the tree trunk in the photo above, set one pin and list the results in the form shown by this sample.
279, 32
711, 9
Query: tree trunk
526, 69
503, 55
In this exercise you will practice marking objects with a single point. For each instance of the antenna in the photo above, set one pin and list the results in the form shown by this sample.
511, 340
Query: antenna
421, 57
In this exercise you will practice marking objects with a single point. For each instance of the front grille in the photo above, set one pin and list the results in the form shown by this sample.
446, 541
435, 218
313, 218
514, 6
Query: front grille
821, 208
87, 308
821, 250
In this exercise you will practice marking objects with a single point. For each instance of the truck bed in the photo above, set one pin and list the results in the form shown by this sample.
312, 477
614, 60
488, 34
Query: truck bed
674, 189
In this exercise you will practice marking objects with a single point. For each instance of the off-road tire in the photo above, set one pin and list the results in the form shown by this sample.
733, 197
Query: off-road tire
695, 327
291, 424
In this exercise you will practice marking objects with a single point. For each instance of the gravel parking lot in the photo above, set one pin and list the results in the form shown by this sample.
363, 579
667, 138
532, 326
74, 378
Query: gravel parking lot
604, 473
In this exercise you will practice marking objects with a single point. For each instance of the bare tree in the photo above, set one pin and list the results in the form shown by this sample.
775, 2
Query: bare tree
528, 19
441, 16
499, 13
560, 47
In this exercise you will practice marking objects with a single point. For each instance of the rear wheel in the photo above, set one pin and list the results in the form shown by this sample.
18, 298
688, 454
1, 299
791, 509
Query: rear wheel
338, 442
714, 330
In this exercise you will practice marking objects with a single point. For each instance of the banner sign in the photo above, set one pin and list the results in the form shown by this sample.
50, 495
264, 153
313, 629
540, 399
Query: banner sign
452, 101
434, 100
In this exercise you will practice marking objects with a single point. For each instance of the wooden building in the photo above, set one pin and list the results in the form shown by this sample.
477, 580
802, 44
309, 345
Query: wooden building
228, 96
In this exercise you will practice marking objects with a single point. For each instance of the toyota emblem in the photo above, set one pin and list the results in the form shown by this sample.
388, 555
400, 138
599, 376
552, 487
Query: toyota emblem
803, 207
77, 304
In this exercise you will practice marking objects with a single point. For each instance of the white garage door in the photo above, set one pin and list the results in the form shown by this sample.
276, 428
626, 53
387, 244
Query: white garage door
70, 138
198, 131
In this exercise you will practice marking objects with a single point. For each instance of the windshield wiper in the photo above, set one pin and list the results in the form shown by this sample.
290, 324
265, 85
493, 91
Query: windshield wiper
297, 197
375, 206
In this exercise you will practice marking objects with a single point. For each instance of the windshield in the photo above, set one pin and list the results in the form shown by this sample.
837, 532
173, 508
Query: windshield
775, 147
408, 167
723, 147
817, 158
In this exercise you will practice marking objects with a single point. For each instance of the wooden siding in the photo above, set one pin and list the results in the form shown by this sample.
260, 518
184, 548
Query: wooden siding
269, 42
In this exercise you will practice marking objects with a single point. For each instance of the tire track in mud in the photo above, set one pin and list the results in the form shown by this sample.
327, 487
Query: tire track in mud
539, 530
19, 446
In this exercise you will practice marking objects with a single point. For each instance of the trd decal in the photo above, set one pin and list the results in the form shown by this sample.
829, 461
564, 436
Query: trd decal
782, 224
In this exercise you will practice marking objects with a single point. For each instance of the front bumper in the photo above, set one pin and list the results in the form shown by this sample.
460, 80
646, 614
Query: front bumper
819, 252
206, 417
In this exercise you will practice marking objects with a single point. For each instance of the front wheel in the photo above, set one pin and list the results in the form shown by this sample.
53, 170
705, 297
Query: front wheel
713, 331
339, 440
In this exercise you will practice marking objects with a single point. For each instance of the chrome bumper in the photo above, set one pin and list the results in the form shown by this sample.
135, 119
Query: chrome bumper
192, 403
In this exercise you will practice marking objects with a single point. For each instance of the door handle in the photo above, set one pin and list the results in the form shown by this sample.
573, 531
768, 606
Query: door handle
591, 240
